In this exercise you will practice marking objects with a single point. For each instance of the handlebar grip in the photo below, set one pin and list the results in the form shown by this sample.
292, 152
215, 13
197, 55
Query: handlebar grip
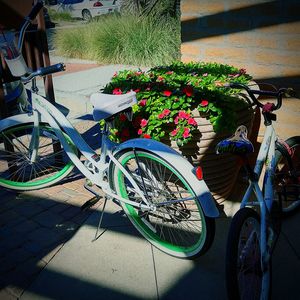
35, 10
52, 69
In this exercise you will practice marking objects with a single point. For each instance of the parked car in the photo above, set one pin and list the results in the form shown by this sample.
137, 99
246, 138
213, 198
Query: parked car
87, 9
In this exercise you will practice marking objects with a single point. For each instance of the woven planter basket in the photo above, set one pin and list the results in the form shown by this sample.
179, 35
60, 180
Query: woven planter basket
220, 171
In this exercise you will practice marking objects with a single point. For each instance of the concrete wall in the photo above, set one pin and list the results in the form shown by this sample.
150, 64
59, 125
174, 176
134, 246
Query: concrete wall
261, 36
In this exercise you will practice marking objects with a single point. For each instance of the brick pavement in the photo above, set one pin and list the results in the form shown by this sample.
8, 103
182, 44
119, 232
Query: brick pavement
34, 225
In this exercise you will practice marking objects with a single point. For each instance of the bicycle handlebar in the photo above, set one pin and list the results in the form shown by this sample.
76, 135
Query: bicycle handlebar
278, 94
44, 71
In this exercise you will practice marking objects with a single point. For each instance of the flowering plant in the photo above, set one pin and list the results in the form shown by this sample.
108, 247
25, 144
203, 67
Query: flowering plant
168, 95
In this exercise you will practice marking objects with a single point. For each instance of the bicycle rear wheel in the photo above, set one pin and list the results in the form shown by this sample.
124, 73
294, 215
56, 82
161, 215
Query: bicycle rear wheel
180, 229
244, 275
287, 178
17, 172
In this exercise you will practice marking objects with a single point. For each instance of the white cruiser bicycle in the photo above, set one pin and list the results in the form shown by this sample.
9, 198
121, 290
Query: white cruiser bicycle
156, 187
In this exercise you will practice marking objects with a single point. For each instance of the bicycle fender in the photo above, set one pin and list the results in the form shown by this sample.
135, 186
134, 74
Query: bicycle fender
181, 165
16, 120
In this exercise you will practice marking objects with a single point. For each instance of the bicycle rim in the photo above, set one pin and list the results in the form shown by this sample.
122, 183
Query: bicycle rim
244, 276
287, 182
179, 229
17, 172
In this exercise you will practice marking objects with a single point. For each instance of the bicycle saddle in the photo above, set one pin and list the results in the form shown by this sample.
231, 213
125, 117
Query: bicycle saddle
106, 105
237, 144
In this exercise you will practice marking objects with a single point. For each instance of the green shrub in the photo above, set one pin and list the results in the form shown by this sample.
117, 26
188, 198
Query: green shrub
59, 16
169, 95
122, 40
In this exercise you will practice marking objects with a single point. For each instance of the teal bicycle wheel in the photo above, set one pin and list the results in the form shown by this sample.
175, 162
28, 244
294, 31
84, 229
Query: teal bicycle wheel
18, 172
178, 228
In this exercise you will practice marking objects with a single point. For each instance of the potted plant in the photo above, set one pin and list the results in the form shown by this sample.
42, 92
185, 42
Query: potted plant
177, 101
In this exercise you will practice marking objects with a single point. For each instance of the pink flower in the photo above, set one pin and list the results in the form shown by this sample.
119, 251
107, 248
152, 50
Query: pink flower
176, 120
169, 72
188, 90
115, 74
166, 112
242, 71
117, 91
205, 74
140, 131
174, 132
186, 132
137, 90
160, 78
138, 73
167, 93
147, 136
183, 115
204, 103
144, 122
143, 102
192, 121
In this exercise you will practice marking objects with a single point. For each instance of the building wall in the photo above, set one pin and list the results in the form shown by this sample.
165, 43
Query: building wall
261, 36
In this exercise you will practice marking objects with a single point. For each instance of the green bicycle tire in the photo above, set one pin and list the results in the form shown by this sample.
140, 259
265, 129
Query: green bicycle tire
165, 227
43, 173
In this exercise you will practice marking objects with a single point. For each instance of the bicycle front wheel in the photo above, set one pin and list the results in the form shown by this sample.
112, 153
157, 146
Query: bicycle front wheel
178, 228
287, 178
18, 171
244, 276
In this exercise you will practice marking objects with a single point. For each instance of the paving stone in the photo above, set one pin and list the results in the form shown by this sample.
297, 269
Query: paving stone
29, 209
25, 227
5, 295
14, 241
48, 219
71, 212
45, 237
70, 192
59, 207
18, 255
7, 216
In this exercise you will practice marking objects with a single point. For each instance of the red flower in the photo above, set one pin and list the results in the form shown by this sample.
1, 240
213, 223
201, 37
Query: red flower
192, 121
138, 73
117, 91
160, 78
242, 71
144, 122
169, 72
186, 132
174, 132
143, 102
146, 136
161, 116
137, 90
188, 90
183, 115
204, 103
167, 93
122, 117
140, 131
166, 112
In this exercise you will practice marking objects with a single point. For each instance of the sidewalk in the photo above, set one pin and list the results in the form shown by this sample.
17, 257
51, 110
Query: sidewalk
46, 242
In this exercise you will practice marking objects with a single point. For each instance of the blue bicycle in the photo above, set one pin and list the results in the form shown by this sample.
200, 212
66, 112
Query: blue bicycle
255, 227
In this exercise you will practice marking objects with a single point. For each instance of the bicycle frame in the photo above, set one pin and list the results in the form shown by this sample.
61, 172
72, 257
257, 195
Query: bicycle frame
266, 156
41, 107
